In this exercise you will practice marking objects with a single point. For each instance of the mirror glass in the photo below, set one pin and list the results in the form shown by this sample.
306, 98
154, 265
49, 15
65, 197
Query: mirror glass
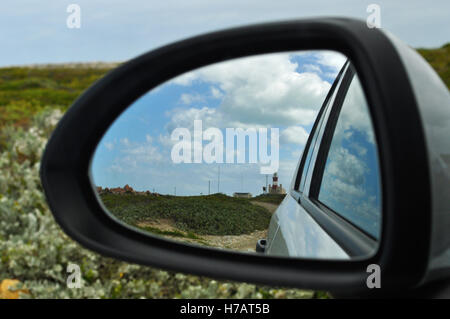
212, 157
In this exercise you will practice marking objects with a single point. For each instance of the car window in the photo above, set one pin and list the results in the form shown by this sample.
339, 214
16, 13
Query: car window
350, 183
319, 130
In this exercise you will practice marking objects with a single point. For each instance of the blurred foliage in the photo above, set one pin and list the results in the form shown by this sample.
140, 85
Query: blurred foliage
439, 59
216, 214
25, 91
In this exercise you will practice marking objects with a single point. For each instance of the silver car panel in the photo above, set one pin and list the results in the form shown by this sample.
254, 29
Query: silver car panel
298, 234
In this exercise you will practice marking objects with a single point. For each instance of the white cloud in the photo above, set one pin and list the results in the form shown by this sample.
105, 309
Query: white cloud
331, 59
261, 91
125, 141
311, 68
165, 140
184, 118
185, 79
216, 93
191, 98
294, 134
109, 146
133, 155
346, 167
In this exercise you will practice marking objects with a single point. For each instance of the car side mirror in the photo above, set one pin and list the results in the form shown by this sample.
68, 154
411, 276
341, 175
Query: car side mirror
408, 107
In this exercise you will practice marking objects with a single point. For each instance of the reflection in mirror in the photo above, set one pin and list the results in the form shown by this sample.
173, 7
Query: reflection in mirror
208, 157
351, 183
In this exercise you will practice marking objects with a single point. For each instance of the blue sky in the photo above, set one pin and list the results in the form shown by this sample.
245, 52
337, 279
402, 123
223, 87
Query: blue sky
282, 91
36, 32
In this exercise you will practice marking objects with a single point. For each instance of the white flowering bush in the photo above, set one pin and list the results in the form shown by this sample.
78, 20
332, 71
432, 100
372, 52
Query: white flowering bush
35, 251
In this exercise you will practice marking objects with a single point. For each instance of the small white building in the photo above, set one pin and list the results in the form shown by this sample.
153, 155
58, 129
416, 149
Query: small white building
242, 195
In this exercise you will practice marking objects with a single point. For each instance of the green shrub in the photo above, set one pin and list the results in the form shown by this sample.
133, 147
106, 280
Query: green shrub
26, 91
439, 59
205, 215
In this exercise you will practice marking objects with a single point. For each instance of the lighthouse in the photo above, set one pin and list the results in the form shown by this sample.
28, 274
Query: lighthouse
274, 188
275, 181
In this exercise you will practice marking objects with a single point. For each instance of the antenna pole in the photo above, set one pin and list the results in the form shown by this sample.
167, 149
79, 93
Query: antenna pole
218, 181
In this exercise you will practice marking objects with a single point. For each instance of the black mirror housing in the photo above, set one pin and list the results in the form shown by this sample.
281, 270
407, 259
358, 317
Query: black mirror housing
404, 250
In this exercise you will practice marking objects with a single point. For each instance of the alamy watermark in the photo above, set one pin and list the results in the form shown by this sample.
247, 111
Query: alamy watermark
189, 147
374, 18
374, 279
74, 279
73, 20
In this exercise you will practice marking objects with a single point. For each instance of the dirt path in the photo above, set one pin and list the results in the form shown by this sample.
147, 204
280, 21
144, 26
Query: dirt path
269, 206
245, 242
